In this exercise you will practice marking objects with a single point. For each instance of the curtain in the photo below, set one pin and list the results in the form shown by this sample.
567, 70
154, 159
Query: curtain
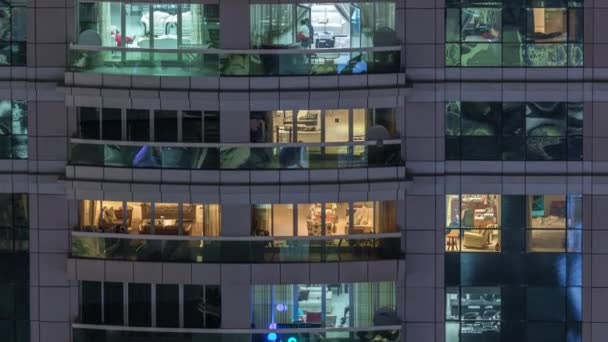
212, 219
196, 18
368, 298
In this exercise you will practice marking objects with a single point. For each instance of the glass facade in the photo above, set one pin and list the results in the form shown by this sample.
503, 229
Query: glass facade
325, 305
315, 126
13, 129
14, 268
174, 39
13, 29
324, 219
527, 284
191, 126
514, 131
150, 218
150, 305
323, 25
514, 33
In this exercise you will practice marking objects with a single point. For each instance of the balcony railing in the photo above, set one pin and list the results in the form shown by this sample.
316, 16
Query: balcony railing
220, 62
250, 249
102, 333
157, 155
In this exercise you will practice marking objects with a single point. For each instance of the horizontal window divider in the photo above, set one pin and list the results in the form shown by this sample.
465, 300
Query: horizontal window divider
234, 238
230, 331
219, 145
238, 51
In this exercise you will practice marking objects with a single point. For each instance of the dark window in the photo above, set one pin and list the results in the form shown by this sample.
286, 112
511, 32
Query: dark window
165, 125
90, 302
88, 123
138, 125
192, 126
212, 127
167, 306
140, 306
113, 309
7, 300
194, 301
111, 127
213, 306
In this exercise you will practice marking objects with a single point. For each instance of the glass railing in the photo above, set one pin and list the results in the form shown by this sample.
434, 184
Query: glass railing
235, 156
218, 62
193, 249
88, 333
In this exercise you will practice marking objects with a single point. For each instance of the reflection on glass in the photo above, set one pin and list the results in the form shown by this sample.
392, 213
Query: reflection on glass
13, 130
514, 131
495, 34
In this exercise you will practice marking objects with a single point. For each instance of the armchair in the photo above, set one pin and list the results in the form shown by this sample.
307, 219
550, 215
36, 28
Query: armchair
476, 238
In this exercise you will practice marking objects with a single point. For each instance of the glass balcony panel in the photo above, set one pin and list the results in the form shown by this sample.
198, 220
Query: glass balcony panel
231, 251
120, 156
98, 333
252, 157
194, 62
87, 154
263, 158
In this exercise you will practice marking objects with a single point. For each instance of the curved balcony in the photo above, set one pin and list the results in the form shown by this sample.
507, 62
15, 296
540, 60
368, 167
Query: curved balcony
250, 249
193, 62
244, 156
88, 333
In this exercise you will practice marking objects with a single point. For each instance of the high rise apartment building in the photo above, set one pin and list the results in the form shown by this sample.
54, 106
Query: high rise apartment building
285, 171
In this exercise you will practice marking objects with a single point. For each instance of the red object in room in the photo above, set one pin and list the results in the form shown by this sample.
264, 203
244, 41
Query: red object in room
487, 35
313, 317
118, 39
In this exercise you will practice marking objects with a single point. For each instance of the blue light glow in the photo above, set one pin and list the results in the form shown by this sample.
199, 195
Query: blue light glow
272, 337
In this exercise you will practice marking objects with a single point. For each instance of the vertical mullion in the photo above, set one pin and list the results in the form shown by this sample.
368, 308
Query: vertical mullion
103, 301
123, 30
202, 126
153, 303
294, 219
180, 218
180, 117
125, 306
151, 124
153, 218
123, 124
181, 305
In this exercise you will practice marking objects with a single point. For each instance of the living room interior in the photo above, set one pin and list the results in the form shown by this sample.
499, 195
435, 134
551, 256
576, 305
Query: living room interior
473, 223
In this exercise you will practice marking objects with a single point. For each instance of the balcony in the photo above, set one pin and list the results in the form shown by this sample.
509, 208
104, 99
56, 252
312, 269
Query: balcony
95, 333
250, 249
244, 156
219, 62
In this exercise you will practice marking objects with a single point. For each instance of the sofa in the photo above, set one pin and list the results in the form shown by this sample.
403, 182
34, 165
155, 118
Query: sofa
479, 238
